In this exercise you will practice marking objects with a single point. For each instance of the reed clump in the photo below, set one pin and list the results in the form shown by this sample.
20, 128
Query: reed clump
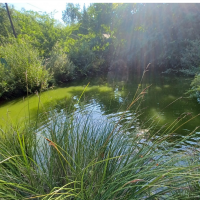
76, 156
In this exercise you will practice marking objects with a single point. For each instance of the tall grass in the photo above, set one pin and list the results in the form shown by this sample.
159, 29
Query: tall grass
22, 66
77, 156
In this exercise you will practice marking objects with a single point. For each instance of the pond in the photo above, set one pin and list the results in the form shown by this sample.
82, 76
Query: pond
106, 97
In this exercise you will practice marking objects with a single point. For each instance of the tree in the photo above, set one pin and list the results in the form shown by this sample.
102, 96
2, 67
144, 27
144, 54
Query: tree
85, 21
71, 14
5, 27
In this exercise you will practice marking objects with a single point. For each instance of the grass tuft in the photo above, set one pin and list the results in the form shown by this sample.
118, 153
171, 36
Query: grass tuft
77, 156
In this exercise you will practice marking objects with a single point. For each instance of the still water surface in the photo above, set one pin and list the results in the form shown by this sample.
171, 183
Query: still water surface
108, 96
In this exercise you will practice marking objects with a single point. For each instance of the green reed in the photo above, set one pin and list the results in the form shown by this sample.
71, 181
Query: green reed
74, 156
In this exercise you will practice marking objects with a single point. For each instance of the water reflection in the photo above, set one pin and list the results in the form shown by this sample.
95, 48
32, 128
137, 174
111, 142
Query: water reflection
107, 97
118, 72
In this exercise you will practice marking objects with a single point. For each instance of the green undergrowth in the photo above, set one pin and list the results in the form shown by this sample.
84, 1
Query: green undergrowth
77, 155
195, 87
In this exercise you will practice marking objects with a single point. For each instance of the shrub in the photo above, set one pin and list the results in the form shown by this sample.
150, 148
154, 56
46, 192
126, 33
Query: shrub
87, 54
195, 90
7, 83
190, 58
60, 65
23, 69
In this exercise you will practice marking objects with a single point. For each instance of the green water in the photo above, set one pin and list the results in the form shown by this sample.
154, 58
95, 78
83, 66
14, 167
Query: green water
108, 96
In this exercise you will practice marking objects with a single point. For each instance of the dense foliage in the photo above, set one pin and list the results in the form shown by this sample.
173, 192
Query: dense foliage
60, 65
167, 35
22, 69
75, 156
195, 87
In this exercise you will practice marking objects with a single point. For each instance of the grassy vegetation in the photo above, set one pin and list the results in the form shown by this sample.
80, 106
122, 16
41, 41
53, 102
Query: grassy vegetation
74, 155
22, 70
77, 156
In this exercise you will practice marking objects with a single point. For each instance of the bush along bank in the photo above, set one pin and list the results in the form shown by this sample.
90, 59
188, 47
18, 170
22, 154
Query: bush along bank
23, 70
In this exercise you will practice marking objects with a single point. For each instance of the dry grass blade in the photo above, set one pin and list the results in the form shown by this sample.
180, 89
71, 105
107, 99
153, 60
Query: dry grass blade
8, 159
